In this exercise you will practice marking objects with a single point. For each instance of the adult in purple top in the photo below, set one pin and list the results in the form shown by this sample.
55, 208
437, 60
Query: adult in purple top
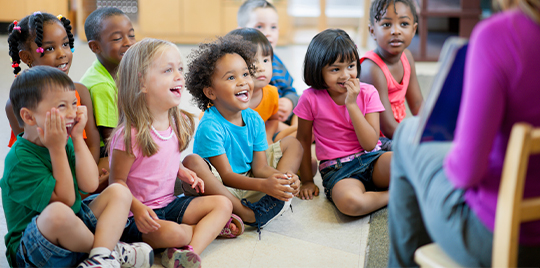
447, 191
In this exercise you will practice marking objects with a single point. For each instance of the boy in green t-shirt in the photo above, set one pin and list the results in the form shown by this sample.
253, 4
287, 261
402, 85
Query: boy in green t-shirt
109, 33
48, 224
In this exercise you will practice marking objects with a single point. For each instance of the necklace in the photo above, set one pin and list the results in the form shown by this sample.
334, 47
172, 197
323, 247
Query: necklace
159, 135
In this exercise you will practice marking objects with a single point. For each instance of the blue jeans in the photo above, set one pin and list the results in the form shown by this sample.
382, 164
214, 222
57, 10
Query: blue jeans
36, 251
425, 207
360, 168
174, 211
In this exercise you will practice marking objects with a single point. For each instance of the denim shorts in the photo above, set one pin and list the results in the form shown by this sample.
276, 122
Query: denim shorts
360, 168
36, 251
174, 211
386, 144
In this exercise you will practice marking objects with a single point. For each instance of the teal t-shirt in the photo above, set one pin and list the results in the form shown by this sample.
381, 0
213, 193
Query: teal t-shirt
27, 186
104, 95
216, 136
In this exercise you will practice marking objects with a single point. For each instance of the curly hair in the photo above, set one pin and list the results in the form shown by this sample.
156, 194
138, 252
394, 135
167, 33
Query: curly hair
379, 7
203, 64
31, 26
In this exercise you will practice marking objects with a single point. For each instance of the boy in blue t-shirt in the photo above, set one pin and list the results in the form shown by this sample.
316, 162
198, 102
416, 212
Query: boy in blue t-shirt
48, 224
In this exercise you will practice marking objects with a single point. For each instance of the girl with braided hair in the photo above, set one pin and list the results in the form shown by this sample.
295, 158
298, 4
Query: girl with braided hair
45, 39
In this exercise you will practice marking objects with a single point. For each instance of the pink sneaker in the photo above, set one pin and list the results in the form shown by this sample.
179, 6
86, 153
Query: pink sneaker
183, 257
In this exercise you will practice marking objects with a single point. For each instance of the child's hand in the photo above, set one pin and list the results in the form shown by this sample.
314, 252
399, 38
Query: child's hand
353, 89
80, 122
103, 175
146, 219
54, 133
308, 190
277, 186
191, 178
285, 107
294, 182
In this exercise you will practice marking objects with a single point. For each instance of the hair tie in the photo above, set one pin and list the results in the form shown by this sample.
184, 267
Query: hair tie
60, 17
72, 50
14, 65
16, 27
37, 13
39, 50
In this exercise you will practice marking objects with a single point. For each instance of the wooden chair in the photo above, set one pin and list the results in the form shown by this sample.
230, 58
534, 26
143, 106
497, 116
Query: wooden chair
512, 209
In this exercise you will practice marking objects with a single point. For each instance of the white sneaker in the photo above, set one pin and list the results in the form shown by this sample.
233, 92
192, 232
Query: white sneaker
136, 255
100, 261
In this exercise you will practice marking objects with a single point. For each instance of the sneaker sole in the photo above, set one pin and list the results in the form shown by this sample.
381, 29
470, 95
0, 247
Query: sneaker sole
285, 207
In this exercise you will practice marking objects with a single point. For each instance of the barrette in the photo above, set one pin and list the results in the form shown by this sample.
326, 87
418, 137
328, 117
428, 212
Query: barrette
60, 17
39, 50
16, 26
37, 13
14, 65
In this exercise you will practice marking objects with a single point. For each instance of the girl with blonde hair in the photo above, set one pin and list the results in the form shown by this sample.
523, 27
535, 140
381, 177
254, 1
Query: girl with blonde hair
145, 156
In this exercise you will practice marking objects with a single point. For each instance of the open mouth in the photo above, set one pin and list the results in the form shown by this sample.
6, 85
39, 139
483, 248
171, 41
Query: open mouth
177, 90
69, 128
62, 67
242, 95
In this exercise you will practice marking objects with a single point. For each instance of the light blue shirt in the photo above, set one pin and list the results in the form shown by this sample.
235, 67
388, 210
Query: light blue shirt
216, 136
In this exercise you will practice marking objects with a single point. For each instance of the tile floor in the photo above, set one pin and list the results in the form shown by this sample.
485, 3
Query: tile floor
314, 235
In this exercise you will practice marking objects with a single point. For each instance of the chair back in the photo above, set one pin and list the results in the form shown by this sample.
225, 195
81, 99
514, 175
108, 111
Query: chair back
512, 209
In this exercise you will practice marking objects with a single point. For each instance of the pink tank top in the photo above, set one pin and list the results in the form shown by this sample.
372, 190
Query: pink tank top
396, 91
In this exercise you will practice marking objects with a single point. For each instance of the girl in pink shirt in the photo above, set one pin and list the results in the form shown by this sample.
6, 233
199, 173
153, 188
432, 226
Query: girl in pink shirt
145, 155
390, 66
343, 115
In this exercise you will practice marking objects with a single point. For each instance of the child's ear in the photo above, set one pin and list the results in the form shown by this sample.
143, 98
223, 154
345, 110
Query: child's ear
27, 116
415, 26
209, 93
94, 46
371, 32
26, 57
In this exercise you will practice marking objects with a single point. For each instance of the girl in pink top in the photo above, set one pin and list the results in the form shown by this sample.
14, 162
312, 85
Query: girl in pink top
343, 115
390, 67
145, 156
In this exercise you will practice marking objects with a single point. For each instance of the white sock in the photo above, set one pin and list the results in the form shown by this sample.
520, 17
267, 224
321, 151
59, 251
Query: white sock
100, 251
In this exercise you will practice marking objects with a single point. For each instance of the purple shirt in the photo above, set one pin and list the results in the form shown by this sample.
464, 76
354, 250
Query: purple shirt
332, 126
501, 88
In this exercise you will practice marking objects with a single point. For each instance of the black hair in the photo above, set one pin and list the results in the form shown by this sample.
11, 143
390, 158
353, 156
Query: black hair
379, 7
94, 22
29, 87
324, 49
256, 38
247, 7
31, 26
203, 64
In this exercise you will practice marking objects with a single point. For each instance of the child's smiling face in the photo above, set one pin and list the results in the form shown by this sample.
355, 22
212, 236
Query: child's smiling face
116, 36
336, 74
232, 85
55, 44
164, 81
395, 30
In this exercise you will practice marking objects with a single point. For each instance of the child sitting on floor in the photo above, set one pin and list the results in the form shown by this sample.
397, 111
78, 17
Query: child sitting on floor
145, 152
390, 67
48, 224
258, 180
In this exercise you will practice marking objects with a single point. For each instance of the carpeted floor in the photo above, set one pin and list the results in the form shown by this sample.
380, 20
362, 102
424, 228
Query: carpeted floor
378, 240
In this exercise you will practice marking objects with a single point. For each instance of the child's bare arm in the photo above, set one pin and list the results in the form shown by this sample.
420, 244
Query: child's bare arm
414, 95
12, 119
53, 136
273, 185
366, 128
304, 133
145, 217
372, 74
92, 133
271, 126
86, 169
